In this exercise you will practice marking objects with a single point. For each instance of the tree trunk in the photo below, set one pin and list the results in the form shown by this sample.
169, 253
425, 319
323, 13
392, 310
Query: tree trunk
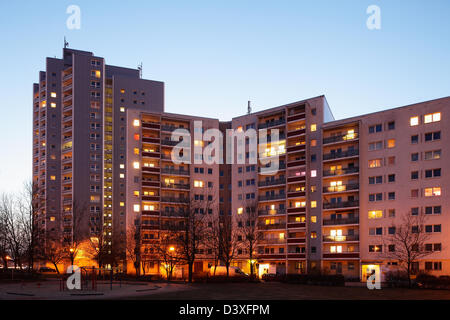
227, 264
56, 267
190, 266
409, 274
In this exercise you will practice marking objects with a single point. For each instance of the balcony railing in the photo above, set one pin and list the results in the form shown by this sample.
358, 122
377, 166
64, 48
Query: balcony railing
342, 154
272, 197
271, 123
341, 138
169, 128
175, 186
341, 188
341, 238
272, 226
344, 204
271, 212
174, 171
271, 182
338, 172
330, 222
175, 200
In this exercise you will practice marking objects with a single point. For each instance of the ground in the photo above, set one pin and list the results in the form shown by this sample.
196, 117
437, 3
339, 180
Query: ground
228, 291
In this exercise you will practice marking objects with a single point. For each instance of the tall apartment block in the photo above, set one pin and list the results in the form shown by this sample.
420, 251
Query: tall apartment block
79, 142
102, 145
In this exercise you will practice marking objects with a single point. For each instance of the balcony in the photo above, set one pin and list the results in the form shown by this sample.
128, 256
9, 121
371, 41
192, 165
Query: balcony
296, 163
339, 205
272, 197
341, 138
296, 148
174, 200
150, 125
274, 226
67, 98
151, 154
170, 128
296, 117
169, 171
271, 212
181, 186
267, 168
341, 255
174, 214
342, 154
341, 188
336, 222
339, 172
171, 143
271, 241
347, 238
268, 183
296, 240
269, 124
296, 132
150, 140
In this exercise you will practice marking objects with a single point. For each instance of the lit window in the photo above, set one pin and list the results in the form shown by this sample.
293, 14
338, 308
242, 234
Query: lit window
52, 105
53, 178
136, 151
336, 249
272, 207
136, 193
313, 235
198, 184
300, 204
122, 90
98, 74
122, 109
122, 166
299, 219
391, 143
240, 210
136, 208
375, 214
314, 219
122, 204
432, 117
313, 143
198, 143
433, 192
375, 163
313, 204
136, 136
52, 219
122, 175
350, 135
281, 235
53, 94
313, 173
136, 165
313, 127
414, 121
136, 122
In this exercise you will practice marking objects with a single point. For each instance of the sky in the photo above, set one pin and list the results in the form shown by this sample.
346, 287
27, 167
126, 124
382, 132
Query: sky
214, 56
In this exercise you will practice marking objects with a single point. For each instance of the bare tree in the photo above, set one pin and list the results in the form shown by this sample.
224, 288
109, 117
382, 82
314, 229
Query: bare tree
168, 252
248, 231
98, 246
407, 243
53, 251
4, 239
78, 234
192, 234
133, 245
229, 241
27, 210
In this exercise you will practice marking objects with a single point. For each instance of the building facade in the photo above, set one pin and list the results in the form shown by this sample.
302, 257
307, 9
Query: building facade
102, 151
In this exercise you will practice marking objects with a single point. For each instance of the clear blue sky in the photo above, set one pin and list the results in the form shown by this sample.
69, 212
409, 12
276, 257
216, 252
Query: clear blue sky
215, 55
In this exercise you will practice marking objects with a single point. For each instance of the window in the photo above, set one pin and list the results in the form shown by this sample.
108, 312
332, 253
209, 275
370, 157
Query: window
375, 214
375, 163
432, 117
415, 139
433, 155
375, 128
433, 192
414, 121
313, 142
136, 208
391, 143
391, 213
375, 145
313, 127
198, 184
391, 125
391, 160
375, 248
313, 204
136, 123
376, 180
136, 165
414, 157
391, 196
432, 173
122, 109
391, 178
240, 210
432, 136
415, 211
313, 173
313, 235
375, 197
414, 175
414, 193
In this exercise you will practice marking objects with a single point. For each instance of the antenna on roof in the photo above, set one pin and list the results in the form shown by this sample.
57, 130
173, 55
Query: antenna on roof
140, 70
66, 44
249, 108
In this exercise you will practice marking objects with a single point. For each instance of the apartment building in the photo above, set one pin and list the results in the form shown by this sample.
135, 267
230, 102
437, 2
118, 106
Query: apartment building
326, 193
79, 141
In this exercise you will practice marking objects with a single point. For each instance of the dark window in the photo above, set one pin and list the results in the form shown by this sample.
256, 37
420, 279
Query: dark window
414, 175
428, 210
437, 210
391, 178
414, 157
414, 211
391, 125
437, 228
391, 195
391, 230
415, 139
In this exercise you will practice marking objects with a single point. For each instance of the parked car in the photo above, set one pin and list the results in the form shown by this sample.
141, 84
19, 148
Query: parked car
222, 271
46, 270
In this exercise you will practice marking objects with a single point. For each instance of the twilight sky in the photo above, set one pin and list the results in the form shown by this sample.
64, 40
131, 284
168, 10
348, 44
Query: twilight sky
215, 55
